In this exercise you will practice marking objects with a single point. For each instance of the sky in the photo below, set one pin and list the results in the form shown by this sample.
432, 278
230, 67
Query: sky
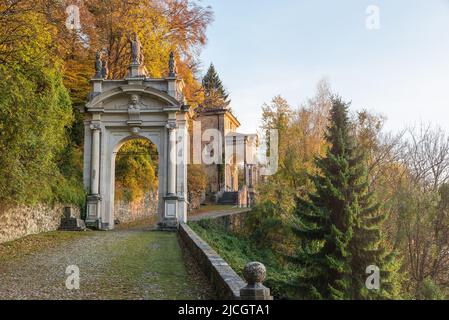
263, 48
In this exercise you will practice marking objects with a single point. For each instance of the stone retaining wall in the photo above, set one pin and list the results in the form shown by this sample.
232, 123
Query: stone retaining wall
234, 222
139, 209
223, 278
21, 221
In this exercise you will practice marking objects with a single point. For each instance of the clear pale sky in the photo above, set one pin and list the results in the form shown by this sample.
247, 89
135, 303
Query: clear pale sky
262, 48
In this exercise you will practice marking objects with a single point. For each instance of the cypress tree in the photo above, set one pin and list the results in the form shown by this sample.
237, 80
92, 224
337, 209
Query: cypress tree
339, 223
214, 91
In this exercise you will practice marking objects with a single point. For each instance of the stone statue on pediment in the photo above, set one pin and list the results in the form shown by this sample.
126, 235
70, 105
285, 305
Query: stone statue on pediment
104, 69
136, 50
137, 67
98, 65
134, 105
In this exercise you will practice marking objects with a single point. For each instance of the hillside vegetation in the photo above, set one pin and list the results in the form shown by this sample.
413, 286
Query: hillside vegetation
46, 62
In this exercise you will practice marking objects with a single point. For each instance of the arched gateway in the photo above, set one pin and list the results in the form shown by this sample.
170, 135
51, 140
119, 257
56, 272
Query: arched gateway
136, 107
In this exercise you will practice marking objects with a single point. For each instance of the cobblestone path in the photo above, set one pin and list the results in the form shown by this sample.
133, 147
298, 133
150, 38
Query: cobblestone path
123, 264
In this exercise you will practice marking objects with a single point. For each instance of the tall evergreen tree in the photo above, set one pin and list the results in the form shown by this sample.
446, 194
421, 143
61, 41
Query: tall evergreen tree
339, 224
215, 95
325, 220
368, 246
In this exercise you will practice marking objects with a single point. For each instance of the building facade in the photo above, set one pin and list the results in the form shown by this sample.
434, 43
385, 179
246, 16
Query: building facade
235, 165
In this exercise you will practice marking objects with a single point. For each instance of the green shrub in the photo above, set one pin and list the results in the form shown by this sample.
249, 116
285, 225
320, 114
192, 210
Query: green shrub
429, 290
35, 118
238, 250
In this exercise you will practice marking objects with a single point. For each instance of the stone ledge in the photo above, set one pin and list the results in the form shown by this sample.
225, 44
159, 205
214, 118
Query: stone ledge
225, 281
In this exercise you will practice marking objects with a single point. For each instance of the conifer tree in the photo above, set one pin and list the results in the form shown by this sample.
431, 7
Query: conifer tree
339, 224
368, 246
215, 95
325, 220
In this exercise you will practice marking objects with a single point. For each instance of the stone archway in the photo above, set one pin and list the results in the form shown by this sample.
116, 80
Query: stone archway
136, 107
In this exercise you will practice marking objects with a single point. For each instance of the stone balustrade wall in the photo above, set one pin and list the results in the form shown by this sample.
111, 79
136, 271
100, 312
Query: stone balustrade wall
224, 279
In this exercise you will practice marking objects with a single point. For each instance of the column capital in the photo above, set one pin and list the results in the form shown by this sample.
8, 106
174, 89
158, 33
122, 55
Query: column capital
171, 126
95, 126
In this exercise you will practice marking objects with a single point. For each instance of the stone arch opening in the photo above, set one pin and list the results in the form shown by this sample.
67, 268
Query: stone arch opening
135, 181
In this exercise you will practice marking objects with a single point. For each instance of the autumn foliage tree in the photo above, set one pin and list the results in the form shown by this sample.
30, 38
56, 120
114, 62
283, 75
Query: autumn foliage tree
301, 139
136, 170
41, 45
163, 26
35, 112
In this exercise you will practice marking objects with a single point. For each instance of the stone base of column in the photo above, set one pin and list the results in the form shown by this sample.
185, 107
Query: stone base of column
93, 224
170, 225
93, 211
255, 292
104, 226
170, 221
135, 70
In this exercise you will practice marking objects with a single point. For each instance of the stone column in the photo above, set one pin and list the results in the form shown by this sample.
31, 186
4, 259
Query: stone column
171, 189
95, 167
94, 200
245, 161
170, 221
182, 152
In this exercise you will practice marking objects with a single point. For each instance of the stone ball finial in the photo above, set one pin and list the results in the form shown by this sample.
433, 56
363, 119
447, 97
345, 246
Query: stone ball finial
254, 273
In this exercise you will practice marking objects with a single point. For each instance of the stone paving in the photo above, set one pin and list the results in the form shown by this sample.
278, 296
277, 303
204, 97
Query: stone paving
124, 264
